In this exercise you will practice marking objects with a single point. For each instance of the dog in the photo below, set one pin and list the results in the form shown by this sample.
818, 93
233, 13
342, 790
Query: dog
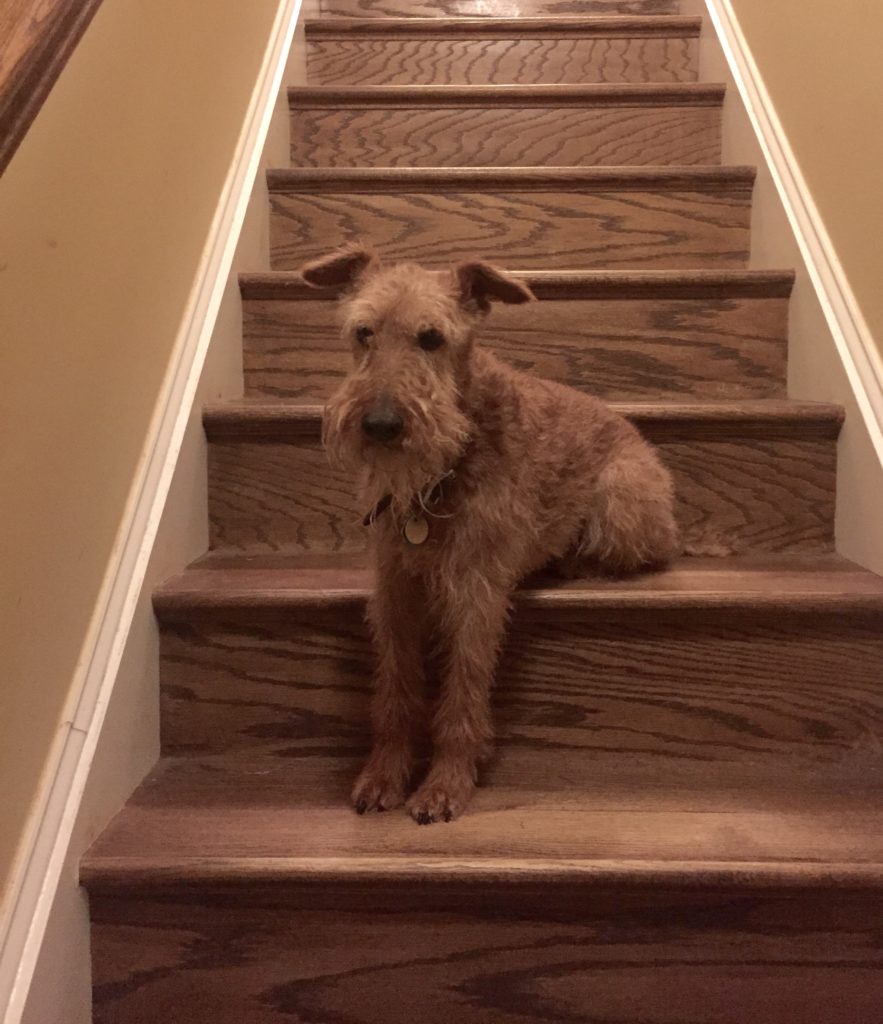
474, 476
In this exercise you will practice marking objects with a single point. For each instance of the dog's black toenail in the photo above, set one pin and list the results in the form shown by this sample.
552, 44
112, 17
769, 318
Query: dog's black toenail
361, 806
424, 818
449, 816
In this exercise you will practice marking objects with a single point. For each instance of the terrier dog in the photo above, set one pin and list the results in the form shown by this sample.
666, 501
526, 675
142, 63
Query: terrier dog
474, 476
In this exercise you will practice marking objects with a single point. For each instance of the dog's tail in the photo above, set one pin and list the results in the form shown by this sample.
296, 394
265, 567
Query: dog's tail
700, 542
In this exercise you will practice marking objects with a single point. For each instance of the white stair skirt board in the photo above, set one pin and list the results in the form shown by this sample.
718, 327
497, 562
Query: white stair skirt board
159, 533
832, 355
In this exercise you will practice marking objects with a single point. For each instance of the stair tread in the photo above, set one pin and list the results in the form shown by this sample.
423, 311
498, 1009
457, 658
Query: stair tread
625, 24
514, 94
288, 284
381, 179
226, 582
222, 818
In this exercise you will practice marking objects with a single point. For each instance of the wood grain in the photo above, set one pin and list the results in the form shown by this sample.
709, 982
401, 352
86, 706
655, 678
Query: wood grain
682, 822
757, 485
579, 284
671, 957
519, 126
551, 219
491, 8
674, 691
502, 61
438, 51
285, 822
661, 421
36, 39
230, 584
561, 27
627, 344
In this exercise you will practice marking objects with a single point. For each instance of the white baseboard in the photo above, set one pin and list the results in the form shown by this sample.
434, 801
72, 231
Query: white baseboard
832, 355
92, 769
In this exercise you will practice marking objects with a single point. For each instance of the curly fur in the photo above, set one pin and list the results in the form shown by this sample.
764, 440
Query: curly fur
540, 474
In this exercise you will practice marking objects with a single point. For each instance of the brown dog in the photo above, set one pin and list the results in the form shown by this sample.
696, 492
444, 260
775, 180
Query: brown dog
475, 475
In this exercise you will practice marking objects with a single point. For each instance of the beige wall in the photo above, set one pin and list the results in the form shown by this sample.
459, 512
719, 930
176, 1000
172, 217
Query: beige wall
821, 64
104, 212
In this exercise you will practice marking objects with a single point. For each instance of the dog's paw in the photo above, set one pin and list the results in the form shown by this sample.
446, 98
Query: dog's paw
436, 801
376, 790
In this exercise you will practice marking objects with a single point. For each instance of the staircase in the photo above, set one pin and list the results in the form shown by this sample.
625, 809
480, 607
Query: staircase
683, 822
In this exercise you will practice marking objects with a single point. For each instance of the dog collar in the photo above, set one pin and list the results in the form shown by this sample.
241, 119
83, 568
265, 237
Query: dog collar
378, 510
415, 530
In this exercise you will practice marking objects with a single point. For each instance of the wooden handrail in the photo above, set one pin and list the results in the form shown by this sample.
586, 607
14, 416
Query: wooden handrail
36, 39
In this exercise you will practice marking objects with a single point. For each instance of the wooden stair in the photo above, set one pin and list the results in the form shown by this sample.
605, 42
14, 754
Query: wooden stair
682, 823
473, 51
622, 335
549, 218
508, 126
260, 896
671, 671
754, 476
491, 8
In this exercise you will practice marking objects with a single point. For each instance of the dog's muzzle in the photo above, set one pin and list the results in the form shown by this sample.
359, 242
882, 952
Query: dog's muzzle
383, 421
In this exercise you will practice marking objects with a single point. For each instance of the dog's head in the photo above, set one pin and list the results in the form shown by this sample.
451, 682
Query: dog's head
399, 413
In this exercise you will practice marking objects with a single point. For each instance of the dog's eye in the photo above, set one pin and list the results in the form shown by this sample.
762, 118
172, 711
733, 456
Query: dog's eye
363, 333
430, 339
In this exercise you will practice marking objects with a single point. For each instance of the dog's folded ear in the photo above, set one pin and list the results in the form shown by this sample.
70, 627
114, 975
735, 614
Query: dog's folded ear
341, 268
481, 283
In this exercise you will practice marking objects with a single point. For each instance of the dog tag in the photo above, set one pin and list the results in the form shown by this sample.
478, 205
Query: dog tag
416, 530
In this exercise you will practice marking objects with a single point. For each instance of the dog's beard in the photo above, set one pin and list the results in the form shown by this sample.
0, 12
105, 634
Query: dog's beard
435, 436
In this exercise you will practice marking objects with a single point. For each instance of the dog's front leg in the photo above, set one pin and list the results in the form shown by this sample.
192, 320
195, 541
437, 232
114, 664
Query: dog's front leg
473, 617
398, 701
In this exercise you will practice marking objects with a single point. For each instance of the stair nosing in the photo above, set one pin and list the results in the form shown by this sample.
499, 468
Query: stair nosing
284, 285
108, 874
615, 26
240, 584
256, 421
395, 180
390, 96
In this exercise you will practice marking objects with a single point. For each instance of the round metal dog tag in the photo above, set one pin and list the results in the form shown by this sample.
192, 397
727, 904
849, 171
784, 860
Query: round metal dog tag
416, 530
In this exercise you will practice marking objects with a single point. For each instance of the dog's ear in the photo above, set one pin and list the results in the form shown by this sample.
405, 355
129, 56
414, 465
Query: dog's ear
480, 283
342, 268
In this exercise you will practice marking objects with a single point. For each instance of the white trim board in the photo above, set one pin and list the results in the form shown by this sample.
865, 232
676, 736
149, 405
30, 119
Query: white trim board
832, 355
124, 599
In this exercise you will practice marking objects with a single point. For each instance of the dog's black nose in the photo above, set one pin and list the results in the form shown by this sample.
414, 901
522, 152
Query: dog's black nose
383, 422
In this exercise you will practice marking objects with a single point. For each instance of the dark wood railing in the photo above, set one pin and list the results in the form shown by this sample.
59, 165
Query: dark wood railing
36, 39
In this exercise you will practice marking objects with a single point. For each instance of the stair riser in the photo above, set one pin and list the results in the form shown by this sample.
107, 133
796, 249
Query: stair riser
619, 348
481, 8
531, 230
250, 955
672, 692
461, 60
756, 495
499, 136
